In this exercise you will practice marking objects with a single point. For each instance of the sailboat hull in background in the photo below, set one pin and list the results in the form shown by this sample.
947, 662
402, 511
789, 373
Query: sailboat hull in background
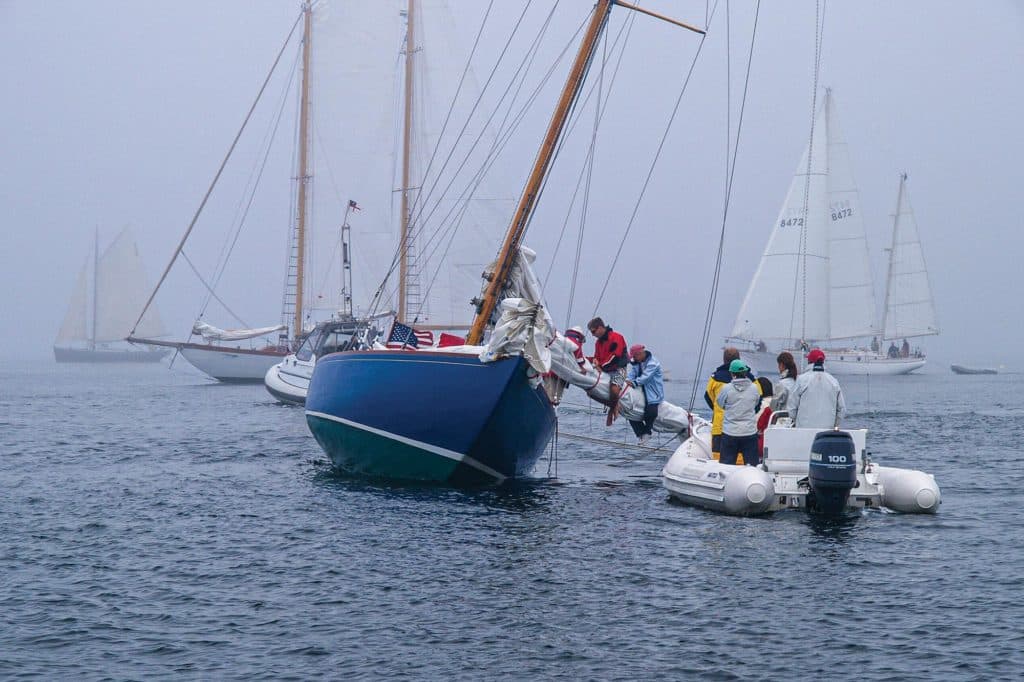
437, 417
839, 363
232, 365
107, 355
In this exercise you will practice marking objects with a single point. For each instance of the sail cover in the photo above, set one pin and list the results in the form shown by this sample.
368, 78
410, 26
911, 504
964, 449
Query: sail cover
211, 333
851, 292
788, 297
909, 308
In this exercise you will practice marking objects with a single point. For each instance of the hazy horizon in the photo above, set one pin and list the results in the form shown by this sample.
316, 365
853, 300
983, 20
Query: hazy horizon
119, 113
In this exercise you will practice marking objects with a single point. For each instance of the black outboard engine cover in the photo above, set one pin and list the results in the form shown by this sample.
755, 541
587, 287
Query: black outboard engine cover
832, 472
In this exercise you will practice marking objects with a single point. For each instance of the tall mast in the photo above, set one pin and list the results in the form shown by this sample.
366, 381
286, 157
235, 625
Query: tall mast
95, 286
304, 177
527, 201
403, 241
892, 252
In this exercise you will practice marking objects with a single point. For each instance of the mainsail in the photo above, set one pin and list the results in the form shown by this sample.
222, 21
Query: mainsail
788, 297
121, 290
119, 294
814, 279
851, 291
74, 326
909, 308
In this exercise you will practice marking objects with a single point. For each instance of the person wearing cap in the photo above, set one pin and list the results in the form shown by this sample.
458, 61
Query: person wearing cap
817, 400
576, 335
740, 401
718, 379
645, 373
610, 355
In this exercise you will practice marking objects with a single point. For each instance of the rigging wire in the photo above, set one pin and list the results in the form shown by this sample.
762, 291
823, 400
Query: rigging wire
650, 173
627, 27
216, 177
496, 148
245, 203
716, 279
586, 191
819, 34
415, 229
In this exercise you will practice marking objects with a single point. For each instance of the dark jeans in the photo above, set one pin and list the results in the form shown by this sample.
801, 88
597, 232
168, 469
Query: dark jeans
733, 445
646, 427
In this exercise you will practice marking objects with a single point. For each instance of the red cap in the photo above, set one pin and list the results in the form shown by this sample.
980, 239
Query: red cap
636, 348
816, 356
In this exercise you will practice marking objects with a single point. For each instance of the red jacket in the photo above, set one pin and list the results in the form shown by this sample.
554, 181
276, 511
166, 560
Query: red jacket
610, 351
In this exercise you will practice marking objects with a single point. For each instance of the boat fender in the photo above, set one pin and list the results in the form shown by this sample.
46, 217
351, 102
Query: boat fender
832, 471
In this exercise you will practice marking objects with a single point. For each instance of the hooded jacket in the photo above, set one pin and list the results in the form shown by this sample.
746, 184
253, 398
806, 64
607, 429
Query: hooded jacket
740, 401
647, 374
817, 400
720, 378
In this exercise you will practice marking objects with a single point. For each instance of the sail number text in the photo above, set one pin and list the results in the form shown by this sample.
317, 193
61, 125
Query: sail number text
842, 213
791, 222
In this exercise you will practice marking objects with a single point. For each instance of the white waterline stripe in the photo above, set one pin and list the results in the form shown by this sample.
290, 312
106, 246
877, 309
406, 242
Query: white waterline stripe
443, 452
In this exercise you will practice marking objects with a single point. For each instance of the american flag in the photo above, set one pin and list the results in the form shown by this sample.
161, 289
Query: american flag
404, 336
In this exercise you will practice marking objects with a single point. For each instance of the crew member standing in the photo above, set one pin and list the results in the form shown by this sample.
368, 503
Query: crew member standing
720, 378
817, 401
740, 401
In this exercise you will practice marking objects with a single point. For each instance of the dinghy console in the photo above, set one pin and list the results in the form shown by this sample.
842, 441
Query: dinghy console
832, 471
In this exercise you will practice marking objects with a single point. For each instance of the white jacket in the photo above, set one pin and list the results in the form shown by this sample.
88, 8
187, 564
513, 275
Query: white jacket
782, 394
817, 401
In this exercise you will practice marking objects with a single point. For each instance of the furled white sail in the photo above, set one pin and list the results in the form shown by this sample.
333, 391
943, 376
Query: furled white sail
74, 326
355, 54
211, 333
457, 217
851, 292
909, 308
121, 291
788, 297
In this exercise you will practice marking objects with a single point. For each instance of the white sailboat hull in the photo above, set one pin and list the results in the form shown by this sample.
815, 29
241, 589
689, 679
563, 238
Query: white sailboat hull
231, 365
288, 381
839, 363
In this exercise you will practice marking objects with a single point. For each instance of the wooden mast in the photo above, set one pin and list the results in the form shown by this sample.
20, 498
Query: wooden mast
304, 177
527, 201
403, 240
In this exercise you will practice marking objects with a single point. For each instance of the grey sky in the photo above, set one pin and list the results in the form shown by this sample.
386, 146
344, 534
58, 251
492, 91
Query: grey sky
118, 113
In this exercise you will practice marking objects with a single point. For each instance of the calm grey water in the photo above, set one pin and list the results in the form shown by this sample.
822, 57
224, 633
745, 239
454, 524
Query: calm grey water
154, 525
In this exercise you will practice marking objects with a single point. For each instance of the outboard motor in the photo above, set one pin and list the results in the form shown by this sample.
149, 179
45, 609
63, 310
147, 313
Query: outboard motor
833, 471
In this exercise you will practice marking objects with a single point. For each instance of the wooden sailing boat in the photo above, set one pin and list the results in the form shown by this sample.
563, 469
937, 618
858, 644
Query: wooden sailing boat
103, 305
222, 355
461, 415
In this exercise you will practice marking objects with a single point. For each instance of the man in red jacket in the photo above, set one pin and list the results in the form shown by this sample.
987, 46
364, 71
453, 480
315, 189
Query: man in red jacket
610, 354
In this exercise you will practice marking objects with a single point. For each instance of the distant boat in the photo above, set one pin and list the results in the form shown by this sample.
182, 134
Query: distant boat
814, 280
107, 295
960, 369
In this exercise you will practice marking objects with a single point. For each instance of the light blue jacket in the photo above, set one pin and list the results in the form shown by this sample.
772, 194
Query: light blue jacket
741, 401
647, 374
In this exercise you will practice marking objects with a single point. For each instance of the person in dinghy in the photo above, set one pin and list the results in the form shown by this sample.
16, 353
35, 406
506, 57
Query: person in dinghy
817, 401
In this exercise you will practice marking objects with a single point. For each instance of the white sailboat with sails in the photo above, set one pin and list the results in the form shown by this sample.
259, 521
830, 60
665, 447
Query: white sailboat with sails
813, 286
108, 293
